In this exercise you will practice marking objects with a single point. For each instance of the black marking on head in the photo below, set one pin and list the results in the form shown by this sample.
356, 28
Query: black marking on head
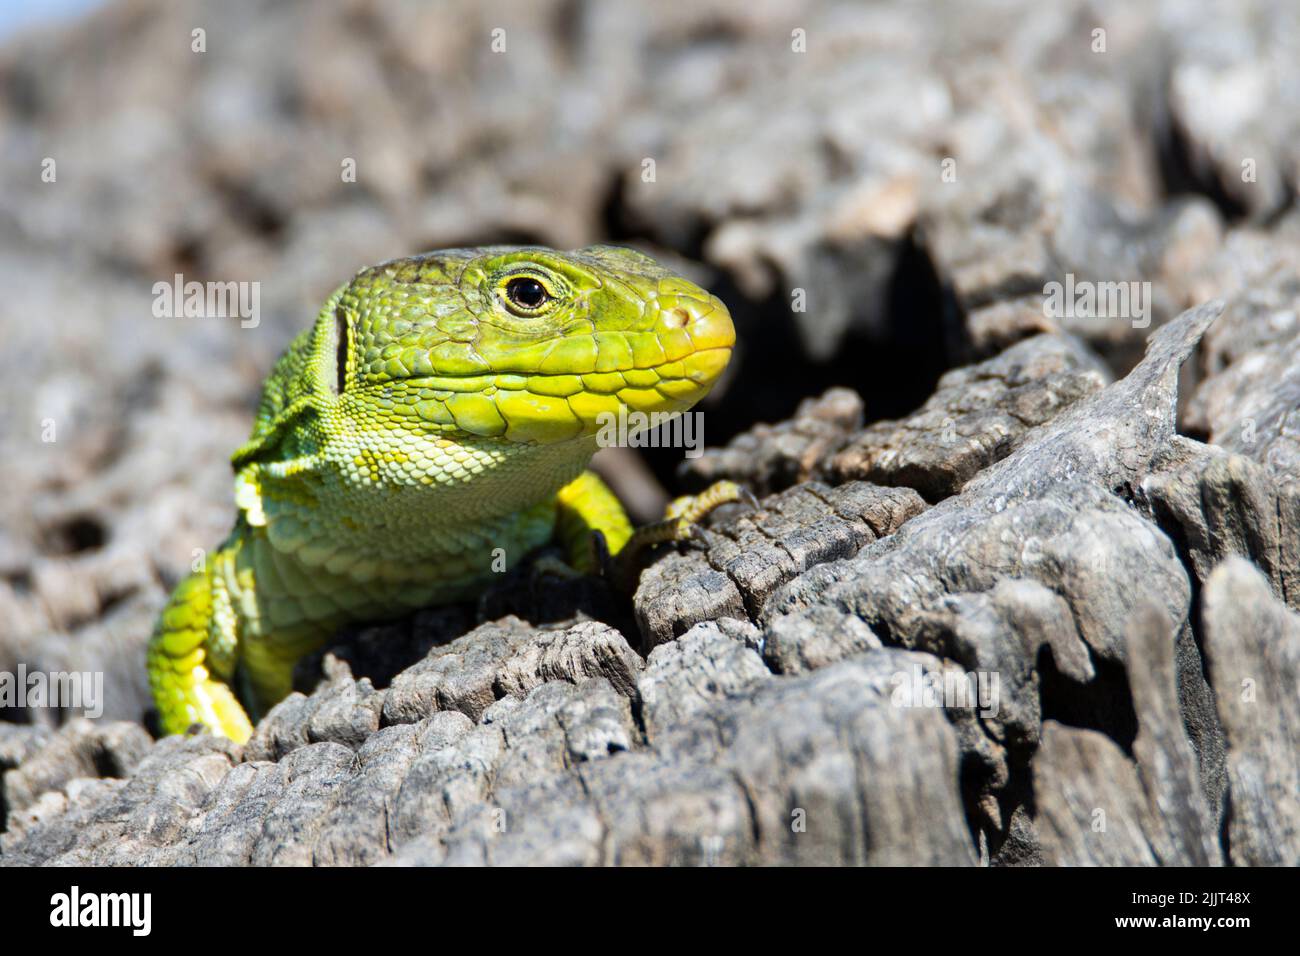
341, 335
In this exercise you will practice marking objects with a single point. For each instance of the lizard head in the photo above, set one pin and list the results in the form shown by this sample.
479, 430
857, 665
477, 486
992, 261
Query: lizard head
527, 344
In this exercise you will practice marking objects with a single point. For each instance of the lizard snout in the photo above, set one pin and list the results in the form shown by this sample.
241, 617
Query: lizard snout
696, 331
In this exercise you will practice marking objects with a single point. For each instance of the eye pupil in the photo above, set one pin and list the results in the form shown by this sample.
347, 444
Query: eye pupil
526, 293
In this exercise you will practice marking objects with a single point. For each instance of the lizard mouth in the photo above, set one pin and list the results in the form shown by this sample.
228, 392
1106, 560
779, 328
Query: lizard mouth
575, 396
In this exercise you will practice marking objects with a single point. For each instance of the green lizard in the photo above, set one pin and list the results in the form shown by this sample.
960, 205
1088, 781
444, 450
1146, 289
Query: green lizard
441, 407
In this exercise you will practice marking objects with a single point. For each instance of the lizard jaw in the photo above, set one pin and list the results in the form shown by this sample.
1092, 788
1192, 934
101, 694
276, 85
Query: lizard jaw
696, 337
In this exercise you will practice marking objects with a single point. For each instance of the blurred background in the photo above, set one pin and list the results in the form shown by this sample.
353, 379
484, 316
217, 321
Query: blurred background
879, 190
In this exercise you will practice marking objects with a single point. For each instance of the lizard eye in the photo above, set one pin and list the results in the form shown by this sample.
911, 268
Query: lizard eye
526, 293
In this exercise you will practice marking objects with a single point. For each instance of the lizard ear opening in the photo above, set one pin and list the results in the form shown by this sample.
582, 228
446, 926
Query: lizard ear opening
341, 334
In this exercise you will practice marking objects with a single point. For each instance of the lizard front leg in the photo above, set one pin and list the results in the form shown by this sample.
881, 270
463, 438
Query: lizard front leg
192, 656
584, 506
208, 641
587, 505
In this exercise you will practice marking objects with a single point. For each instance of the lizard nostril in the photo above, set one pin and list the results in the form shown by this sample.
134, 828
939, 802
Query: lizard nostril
677, 319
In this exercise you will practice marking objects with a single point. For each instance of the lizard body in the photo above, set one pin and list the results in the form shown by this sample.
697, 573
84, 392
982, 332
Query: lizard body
440, 413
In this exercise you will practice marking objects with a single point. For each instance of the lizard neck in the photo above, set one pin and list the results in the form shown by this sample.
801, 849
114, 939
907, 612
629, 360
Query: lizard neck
446, 482
436, 503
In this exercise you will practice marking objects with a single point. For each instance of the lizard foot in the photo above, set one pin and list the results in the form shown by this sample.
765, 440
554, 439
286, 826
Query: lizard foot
681, 522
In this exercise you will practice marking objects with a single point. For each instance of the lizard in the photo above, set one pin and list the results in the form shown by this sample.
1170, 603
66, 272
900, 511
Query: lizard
439, 414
